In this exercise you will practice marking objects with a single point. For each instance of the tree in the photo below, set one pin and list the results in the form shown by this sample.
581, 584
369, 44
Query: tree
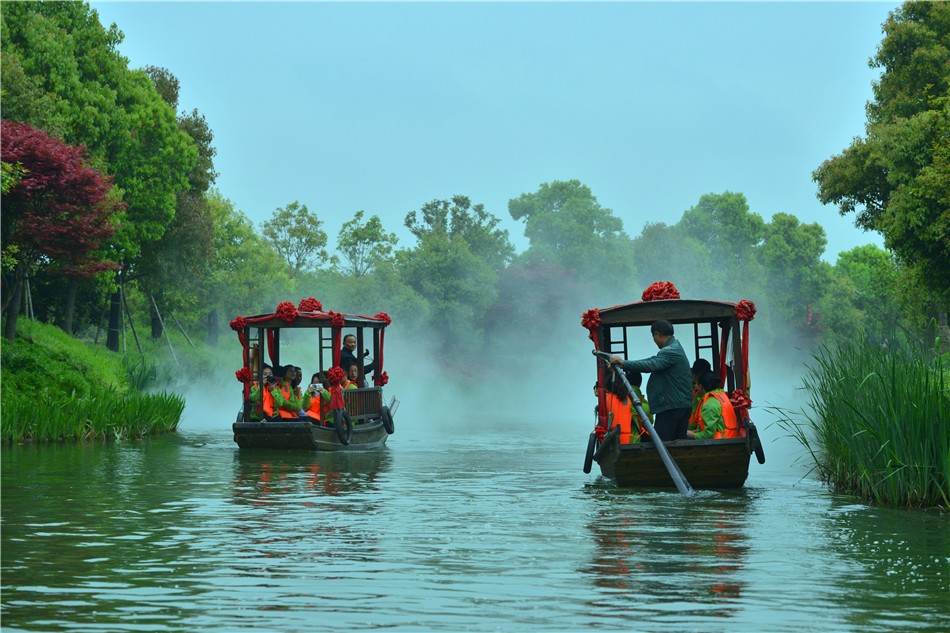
454, 266
365, 245
567, 227
795, 275
294, 232
897, 178
60, 211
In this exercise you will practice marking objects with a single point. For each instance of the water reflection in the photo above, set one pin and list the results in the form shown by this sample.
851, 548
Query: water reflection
661, 552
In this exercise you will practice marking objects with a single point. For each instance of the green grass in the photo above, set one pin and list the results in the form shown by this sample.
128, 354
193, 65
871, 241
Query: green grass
56, 388
879, 424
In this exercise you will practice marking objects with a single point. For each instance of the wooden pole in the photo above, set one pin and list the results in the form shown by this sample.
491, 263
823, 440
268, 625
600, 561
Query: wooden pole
165, 331
128, 315
187, 338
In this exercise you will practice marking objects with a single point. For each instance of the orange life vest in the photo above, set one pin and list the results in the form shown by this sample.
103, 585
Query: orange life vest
622, 416
728, 416
268, 401
287, 392
314, 410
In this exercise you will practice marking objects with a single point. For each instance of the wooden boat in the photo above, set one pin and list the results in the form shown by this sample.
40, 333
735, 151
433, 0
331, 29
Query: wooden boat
720, 334
363, 421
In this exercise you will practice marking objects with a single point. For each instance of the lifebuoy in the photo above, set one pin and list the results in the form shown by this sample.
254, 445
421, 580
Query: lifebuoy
589, 456
756, 443
342, 419
387, 417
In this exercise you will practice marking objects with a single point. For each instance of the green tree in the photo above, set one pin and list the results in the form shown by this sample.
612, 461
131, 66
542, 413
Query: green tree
295, 233
567, 227
454, 266
246, 275
667, 253
365, 246
796, 277
897, 177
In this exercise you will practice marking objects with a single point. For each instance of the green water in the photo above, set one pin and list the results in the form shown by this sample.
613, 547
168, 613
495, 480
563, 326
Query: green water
444, 531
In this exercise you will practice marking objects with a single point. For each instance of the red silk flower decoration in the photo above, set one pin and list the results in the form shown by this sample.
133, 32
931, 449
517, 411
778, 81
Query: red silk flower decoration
337, 319
740, 400
309, 305
591, 321
382, 316
745, 310
383, 379
599, 432
239, 324
243, 375
335, 375
286, 312
660, 290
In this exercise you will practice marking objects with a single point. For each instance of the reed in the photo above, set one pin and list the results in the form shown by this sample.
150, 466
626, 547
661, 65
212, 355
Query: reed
878, 424
103, 416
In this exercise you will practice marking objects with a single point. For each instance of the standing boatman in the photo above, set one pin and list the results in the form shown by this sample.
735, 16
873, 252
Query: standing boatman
670, 389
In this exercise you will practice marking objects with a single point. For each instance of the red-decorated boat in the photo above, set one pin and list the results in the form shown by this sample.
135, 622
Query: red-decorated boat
717, 331
361, 419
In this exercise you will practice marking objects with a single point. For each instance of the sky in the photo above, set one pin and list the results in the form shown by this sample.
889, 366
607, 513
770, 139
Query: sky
383, 107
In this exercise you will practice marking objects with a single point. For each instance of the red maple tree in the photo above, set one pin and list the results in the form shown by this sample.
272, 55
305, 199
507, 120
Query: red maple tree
60, 213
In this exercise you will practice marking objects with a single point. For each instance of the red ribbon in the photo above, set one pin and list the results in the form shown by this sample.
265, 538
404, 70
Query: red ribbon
599, 432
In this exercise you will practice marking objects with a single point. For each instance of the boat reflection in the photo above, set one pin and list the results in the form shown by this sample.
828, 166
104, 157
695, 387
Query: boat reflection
664, 550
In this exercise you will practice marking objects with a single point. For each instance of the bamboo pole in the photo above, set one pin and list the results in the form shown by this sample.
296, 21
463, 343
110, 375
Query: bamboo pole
165, 331
187, 338
128, 315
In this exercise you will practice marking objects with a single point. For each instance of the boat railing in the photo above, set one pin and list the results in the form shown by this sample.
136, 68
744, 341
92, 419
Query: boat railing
364, 403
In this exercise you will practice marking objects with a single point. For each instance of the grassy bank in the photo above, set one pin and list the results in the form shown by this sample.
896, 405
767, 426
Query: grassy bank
879, 424
54, 388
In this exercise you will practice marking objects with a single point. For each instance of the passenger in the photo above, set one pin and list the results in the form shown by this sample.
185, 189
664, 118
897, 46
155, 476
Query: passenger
717, 418
353, 377
318, 392
700, 367
635, 379
620, 405
670, 386
257, 411
348, 355
289, 401
271, 393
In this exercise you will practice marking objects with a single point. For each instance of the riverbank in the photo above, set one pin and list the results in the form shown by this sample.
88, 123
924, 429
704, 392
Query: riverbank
878, 424
58, 388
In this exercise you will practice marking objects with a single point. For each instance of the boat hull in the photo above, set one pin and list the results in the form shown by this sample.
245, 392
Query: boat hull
706, 464
303, 435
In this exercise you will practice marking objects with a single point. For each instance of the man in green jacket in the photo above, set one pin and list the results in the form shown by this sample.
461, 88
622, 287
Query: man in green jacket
670, 389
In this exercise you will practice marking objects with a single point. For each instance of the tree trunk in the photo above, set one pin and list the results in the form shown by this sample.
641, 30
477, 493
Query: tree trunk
156, 325
213, 327
13, 309
70, 305
115, 321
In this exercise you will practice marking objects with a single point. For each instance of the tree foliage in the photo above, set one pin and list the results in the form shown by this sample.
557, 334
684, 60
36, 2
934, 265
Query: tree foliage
567, 227
897, 178
295, 233
365, 245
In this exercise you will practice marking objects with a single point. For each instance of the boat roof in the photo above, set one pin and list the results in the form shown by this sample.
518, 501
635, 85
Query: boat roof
672, 310
314, 320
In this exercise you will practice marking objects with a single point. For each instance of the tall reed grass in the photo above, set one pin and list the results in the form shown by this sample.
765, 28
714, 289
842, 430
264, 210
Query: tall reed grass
878, 424
105, 415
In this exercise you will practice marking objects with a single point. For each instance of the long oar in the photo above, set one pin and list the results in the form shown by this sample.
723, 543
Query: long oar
675, 473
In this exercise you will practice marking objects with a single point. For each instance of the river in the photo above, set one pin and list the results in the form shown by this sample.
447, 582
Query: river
480, 525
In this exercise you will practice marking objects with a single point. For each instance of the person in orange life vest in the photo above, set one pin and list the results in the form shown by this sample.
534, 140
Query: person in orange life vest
257, 412
619, 403
271, 389
318, 391
700, 367
289, 401
717, 418
352, 380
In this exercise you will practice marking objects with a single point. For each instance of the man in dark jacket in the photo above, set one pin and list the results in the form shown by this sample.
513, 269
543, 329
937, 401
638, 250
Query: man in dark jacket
670, 388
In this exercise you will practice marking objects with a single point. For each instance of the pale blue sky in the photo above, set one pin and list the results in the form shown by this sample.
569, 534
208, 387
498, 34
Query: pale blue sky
384, 107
